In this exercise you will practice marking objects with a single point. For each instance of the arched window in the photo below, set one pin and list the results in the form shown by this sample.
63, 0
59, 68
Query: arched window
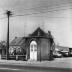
33, 46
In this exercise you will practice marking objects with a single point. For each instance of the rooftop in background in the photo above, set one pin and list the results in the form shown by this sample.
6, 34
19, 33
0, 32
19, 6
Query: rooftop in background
17, 41
62, 48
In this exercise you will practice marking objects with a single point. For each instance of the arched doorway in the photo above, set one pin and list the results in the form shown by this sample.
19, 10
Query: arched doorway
33, 50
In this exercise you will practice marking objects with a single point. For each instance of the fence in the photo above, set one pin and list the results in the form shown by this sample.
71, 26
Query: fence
15, 57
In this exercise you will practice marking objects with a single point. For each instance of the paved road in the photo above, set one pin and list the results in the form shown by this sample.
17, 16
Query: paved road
18, 68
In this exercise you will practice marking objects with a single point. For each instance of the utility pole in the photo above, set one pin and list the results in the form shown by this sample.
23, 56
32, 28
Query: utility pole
9, 13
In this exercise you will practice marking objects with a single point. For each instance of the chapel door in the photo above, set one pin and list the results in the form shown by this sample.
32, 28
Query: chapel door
33, 50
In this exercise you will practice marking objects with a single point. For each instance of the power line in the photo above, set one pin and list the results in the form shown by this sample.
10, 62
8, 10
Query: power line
41, 12
61, 5
38, 13
56, 6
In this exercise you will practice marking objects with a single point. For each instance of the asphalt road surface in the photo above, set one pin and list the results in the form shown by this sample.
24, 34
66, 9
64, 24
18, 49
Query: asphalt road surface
18, 68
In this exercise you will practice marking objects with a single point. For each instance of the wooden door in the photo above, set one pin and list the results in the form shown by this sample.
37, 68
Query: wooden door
33, 50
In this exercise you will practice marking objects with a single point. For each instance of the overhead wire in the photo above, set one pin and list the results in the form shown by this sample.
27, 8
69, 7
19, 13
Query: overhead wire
56, 6
45, 11
29, 14
40, 12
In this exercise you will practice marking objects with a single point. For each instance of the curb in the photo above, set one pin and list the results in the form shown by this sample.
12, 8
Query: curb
43, 64
40, 67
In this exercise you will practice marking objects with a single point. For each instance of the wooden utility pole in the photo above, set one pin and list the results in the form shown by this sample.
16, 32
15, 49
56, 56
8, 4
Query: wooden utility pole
9, 13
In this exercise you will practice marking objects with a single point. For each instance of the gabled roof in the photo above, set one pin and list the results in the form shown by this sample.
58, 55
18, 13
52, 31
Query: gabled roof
38, 32
18, 41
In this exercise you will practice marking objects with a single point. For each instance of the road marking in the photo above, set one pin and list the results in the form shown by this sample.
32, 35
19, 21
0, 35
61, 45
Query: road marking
9, 69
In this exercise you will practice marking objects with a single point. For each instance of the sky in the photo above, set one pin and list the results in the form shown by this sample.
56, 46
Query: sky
53, 15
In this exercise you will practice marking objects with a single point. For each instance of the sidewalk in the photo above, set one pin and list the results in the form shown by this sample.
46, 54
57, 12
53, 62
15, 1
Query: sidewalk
58, 63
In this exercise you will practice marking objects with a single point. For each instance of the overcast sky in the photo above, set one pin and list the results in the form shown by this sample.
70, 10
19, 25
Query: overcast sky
53, 15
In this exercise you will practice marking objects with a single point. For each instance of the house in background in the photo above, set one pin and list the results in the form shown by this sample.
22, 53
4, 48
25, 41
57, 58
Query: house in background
2, 48
38, 45
17, 47
61, 48
17, 44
